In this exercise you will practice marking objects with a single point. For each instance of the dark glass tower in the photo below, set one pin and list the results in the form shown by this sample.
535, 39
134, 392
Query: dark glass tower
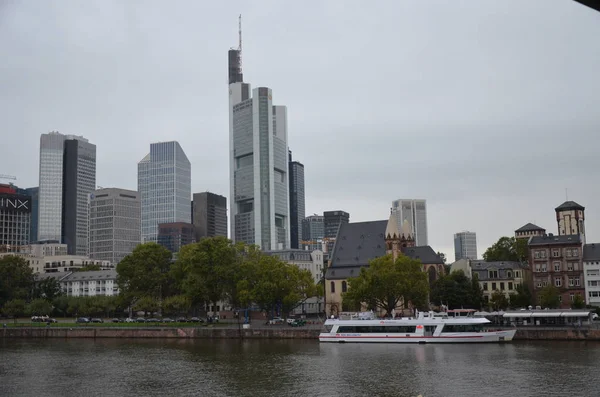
297, 204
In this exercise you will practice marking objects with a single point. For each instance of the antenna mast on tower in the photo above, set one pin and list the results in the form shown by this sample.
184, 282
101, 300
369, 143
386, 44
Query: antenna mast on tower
240, 39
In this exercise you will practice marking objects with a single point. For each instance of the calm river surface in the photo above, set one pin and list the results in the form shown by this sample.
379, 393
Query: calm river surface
117, 367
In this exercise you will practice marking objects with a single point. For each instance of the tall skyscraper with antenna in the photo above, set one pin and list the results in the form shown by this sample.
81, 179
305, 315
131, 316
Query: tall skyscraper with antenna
258, 162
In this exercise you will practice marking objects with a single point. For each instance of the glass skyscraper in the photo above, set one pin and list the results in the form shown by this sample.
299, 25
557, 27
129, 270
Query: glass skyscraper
415, 213
465, 245
165, 188
297, 203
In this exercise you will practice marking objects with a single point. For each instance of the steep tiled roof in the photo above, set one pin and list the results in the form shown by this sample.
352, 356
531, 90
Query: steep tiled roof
530, 227
552, 239
483, 265
569, 205
425, 254
591, 252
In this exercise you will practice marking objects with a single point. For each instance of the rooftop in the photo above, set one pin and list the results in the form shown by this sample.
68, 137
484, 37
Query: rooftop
483, 265
591, 252
530, 227
550, 239
569, 205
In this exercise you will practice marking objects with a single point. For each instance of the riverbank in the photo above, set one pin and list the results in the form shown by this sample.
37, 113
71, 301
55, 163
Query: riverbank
523, 334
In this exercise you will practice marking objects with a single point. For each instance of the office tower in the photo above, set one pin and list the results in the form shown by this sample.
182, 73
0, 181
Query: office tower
331, 224
258, 153
465, 245
34, 193
415, 213
79, 180
52, 150
175, 235
297, 203
313, 227
209, 215
165, 187
15, 218
114, 224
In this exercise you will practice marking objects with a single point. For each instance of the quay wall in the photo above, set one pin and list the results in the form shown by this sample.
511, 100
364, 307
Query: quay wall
523, 334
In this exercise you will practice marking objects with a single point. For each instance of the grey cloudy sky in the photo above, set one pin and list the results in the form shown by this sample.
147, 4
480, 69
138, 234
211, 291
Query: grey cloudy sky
487, 109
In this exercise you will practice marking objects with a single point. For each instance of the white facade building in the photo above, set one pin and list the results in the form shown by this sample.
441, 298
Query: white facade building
591, 273
94, 283
413, 212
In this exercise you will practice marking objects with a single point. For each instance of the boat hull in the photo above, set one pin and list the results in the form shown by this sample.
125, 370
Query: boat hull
467, 337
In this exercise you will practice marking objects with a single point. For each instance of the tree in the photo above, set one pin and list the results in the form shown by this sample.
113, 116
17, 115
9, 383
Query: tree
507, 249
549, 297
522, 298
14, 308
498, 301
147, 304
48, 288
145, 272
578, 302
177, 305
455, 290
39, 307
385, 284
16, 278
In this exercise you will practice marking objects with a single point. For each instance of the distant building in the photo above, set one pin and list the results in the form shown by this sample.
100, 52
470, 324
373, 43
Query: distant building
591, 268
570, 217
93, 283
209, 215
15, 218
529, 230
114, 223
175, 235
313, 231
297, 202
499, 276
332, 223
33, 192
413, 212
465, 245
165, 188
46, 248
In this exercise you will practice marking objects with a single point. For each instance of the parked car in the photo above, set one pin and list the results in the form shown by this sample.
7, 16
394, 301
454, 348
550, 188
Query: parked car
51, 320
167, 320
97, 320
140, 320
82, 320
129, 320
115, 320
275, 321
196, 320
181, 320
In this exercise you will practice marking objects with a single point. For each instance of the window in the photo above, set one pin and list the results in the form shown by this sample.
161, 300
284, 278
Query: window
538, 268
555, 253
572, 296
510, 285
560, 298
333, 287
558, 282
517, 274
577, 282
493, 274
544, 268
545, 283
539, 284
485, 287
575, 252
501, 286
571, 281
509, 274
537, 255
568, 253
344, 286
557, 266
570, 267
493, 286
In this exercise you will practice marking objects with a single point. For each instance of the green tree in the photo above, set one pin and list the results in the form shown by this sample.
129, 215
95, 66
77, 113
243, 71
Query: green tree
549, 297
386, 283
578, 302
39, 307
147, 304
507, 249
145, 272
522, 297
47, 288
16, 278
177, 305
61, 305
498, 301
455, 290
14, 308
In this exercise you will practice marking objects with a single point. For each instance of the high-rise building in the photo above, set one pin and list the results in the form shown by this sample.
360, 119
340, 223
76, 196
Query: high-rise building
15, 219
114, 224
52, 153
165, 187
415, 213
297, 203
313, 231
175, 235
209, 215
332, 220
79, 181
34, 193
258, 154
465, 245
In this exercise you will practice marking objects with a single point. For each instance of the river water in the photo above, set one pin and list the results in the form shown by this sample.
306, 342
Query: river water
118, 367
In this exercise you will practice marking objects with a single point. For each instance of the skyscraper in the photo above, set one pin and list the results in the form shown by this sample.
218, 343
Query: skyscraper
114, 224
332, 222
415, 213
67, 177
165, 187
297, 203
34, 193
465, 246
79, 180
209, 215
15, 218
258, 154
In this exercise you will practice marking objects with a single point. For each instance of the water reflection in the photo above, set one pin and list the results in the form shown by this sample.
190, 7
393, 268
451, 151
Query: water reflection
116, 367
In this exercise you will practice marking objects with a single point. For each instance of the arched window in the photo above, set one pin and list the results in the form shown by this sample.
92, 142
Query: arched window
332, 287
344, 286
432, 275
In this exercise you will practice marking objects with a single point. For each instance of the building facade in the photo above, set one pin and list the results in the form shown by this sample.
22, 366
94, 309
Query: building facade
79, 181
504, 277
115, 223
313, 231
258, 154
556, 260
165, 188
591, 268
15, 219
94, 283
332, 221
570, 217
175, 235
413, 212
465, 245
209, 215
34, 193
297, 202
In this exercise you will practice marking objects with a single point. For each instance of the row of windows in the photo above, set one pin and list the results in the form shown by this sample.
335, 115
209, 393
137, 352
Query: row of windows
344, 286
557, 267
494, 286
569, 252
509, 274
558, 282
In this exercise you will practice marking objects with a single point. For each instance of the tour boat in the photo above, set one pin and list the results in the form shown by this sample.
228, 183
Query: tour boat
425, 327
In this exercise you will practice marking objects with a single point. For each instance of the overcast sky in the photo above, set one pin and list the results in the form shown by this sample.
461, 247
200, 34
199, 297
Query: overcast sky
487, 109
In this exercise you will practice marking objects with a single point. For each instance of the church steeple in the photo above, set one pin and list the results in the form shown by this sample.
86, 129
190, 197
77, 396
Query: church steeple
392, 236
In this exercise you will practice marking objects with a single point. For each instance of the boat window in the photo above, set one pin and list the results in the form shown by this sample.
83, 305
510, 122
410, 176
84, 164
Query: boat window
430, 329
328, 328
462, 328
389, 329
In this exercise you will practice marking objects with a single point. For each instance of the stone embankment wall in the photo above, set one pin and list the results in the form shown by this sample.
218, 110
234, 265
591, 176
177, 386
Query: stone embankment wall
572, 334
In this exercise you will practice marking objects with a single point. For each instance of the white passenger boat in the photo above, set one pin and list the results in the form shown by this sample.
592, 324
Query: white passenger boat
426, 327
